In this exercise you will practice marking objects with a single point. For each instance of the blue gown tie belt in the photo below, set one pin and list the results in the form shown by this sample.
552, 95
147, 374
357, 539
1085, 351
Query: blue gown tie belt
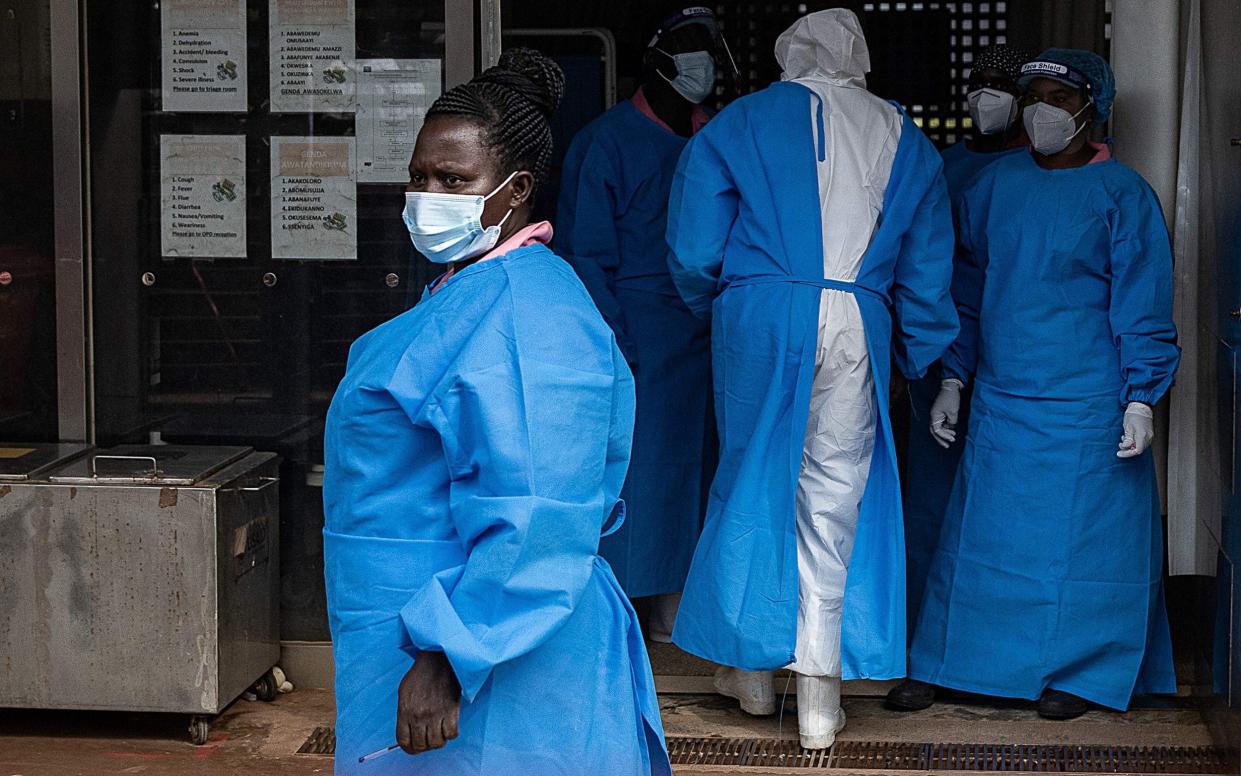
824, 283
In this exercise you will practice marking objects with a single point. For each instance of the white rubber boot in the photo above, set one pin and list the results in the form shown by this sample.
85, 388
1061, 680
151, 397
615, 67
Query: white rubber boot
663, 616
755, 689
819, 716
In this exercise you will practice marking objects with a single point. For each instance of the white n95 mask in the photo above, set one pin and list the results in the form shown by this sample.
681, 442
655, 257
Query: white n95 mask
1051, 129
992, 110
447, 228
695, 74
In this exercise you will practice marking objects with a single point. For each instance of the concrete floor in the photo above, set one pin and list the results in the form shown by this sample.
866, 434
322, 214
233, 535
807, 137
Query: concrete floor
250, 736
261, 739
689, 709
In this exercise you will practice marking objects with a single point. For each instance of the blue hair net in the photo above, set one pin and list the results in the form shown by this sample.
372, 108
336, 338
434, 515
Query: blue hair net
1095, 69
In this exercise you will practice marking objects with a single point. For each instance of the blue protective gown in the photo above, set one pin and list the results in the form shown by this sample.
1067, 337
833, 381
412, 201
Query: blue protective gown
1048, 572
932, 469
745, 231
474, 451
961, 164
610, 226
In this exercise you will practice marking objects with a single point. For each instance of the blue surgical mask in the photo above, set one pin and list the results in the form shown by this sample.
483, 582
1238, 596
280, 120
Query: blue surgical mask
447, 228
695, 74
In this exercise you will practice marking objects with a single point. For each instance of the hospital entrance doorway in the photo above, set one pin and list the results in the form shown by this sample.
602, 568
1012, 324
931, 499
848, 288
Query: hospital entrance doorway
921, 54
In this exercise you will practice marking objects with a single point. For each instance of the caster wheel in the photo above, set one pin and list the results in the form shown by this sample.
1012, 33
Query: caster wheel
200, 729
265, 688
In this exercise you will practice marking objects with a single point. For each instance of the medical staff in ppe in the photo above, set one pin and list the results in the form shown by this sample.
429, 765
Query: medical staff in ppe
474, 451
610, 226
1047, 580
995, 116
931, 468
812, 222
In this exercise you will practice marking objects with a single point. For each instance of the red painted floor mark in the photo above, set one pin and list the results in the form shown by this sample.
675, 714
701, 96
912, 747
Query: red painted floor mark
211, 748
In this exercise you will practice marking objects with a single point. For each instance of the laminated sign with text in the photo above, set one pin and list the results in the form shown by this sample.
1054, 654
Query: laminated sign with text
203, 196
314, 199
312, 56
203, 55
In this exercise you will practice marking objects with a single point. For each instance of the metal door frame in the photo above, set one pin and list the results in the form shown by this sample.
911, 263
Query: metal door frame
74, 377
459, 27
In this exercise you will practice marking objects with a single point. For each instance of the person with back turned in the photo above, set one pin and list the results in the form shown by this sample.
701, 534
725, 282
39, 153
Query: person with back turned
811, 221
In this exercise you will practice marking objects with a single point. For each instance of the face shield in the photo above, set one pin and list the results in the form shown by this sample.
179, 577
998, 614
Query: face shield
690, 30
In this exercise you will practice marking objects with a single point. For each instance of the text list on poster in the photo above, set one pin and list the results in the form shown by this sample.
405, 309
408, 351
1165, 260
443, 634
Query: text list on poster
203, 196
314, 198
312, 56
203, 55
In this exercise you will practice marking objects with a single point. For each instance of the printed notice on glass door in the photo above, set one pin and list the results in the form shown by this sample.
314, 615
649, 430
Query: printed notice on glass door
393, 98
204, 55
314, 203
312, 51
203, 196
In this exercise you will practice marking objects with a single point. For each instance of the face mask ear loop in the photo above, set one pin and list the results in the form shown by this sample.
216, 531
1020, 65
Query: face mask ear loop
507, 181
1084, 124
497, 191
674, 64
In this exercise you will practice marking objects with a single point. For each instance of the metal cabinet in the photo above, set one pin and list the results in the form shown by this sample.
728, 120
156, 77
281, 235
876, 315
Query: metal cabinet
141, 578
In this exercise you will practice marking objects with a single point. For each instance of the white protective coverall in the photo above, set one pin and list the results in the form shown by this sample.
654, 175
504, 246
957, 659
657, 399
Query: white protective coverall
827, 53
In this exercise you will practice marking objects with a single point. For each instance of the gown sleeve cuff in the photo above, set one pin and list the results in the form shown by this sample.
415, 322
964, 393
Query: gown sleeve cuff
433, 626
1148, 397
949, 373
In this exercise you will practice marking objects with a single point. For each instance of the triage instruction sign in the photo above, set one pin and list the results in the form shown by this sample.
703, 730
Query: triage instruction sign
203, 55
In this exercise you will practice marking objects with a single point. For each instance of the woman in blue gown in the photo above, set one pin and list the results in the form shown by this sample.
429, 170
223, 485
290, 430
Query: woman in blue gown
1047, 579
475, 452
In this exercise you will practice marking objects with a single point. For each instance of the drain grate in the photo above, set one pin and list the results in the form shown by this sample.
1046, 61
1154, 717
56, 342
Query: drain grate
321, 741
878, 755
872, 755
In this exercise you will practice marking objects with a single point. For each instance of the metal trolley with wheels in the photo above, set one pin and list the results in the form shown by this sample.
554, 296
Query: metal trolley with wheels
141, 578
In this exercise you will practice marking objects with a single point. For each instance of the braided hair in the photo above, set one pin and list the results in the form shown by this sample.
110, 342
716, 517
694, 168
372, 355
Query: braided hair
513, 102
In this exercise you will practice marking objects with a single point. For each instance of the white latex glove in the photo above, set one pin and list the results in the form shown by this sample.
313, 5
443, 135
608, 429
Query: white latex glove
944, 412
1139, 430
